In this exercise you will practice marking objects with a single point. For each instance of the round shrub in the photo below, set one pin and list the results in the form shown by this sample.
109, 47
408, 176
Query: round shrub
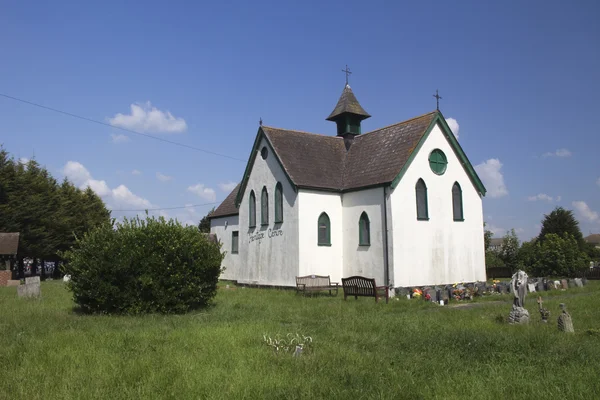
143, 266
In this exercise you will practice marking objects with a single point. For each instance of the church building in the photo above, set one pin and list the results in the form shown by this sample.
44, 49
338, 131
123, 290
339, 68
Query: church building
401, 204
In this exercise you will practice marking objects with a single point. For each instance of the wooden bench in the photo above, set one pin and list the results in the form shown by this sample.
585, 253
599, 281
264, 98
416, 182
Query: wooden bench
361, 286
315, 283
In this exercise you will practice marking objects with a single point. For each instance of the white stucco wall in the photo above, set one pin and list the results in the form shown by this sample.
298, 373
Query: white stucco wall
315, 259
269, 253
223, 228
440, 250
366, 261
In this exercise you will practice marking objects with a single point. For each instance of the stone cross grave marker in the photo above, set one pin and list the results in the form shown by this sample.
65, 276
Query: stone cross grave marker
564, 283
578, 282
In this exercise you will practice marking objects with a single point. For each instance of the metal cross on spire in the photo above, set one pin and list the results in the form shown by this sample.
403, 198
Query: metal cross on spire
437, 98
347, 71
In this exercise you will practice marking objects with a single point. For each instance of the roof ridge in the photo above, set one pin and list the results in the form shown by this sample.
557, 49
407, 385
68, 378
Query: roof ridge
400, 123
298, 131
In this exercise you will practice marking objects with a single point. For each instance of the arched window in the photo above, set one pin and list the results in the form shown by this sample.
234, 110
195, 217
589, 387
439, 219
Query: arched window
264, 207
324, 230
457, 206
278, 203
252, 210
364, 230
421, 191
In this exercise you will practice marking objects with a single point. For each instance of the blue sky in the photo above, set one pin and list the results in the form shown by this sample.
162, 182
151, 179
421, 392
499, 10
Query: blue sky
521, 79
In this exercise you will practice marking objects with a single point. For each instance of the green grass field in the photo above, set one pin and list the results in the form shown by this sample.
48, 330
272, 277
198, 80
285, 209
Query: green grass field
406, 349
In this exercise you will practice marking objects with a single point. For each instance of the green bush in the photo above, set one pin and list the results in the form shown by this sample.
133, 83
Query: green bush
143, 266
555, 256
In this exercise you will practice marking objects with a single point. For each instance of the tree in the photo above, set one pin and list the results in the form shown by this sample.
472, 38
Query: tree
559, 222
48, 216
559, 256
510, 250
204, 224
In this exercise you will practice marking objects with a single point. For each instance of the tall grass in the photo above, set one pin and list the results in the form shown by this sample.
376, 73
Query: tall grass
405, 349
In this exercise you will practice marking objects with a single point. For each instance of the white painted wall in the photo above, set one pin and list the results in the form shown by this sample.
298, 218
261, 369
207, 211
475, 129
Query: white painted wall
223, 228
440, 250
366, 261
315, 259
269, 253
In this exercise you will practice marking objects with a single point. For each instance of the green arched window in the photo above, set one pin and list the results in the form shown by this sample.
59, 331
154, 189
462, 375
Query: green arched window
438, 161
421, 192
278, 203
252, 210
457, 204
264, 207
364, 230
324, 230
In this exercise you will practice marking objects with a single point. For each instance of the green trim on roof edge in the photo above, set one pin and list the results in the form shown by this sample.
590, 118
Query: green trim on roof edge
259, 135
455, 146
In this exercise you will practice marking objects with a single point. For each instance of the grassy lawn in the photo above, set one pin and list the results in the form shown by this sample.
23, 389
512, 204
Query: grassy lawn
406, 349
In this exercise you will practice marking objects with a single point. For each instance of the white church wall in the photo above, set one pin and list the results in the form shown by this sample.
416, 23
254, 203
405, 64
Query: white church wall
269, 252
369, 260
223, 228
315, 259
439, 250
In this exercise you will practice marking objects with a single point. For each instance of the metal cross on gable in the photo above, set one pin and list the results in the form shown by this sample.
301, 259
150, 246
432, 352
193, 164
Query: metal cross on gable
347, 71
437, 98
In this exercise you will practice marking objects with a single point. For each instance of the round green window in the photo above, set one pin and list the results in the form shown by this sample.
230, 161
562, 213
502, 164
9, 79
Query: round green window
438, 161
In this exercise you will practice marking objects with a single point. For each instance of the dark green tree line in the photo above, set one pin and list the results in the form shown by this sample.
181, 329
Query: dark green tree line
48, 215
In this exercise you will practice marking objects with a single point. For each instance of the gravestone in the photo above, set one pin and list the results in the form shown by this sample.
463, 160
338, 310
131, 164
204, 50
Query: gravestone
444, 295
31, 288
531, 287
584, 281
571, 283
564, 283
578, 282
550, 285
539, 286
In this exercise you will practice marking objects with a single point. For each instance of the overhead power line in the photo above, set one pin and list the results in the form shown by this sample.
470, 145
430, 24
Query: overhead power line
120, 128
167, 208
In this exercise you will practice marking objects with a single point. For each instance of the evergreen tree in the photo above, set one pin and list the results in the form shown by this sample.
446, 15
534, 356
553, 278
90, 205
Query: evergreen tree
204, 224
560, 222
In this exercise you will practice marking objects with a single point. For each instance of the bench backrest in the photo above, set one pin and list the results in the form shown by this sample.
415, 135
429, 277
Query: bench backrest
359, 285
313, 280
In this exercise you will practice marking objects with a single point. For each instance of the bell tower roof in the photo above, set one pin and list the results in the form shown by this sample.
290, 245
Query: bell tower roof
348, 104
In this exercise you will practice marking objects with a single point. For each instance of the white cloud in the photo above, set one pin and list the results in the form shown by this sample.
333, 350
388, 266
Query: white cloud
203, 192
136, 172
163, 178
119, 138
25, 160
584, 211
146, 118
454, 127
492, 177
119, 198
227, 187
558, 153
558, 198
497, 231
542, 197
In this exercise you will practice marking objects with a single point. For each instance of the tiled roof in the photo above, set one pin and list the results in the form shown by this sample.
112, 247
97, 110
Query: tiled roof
9, 243
322, 162
348, 104
594, 238
310, 160
227, 207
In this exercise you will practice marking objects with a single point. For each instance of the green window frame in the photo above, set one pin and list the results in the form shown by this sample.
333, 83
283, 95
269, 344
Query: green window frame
438, 162
264, 207
252, 210
278, 203
364, 230
324, 230
457, 203
235, 242
421, 197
